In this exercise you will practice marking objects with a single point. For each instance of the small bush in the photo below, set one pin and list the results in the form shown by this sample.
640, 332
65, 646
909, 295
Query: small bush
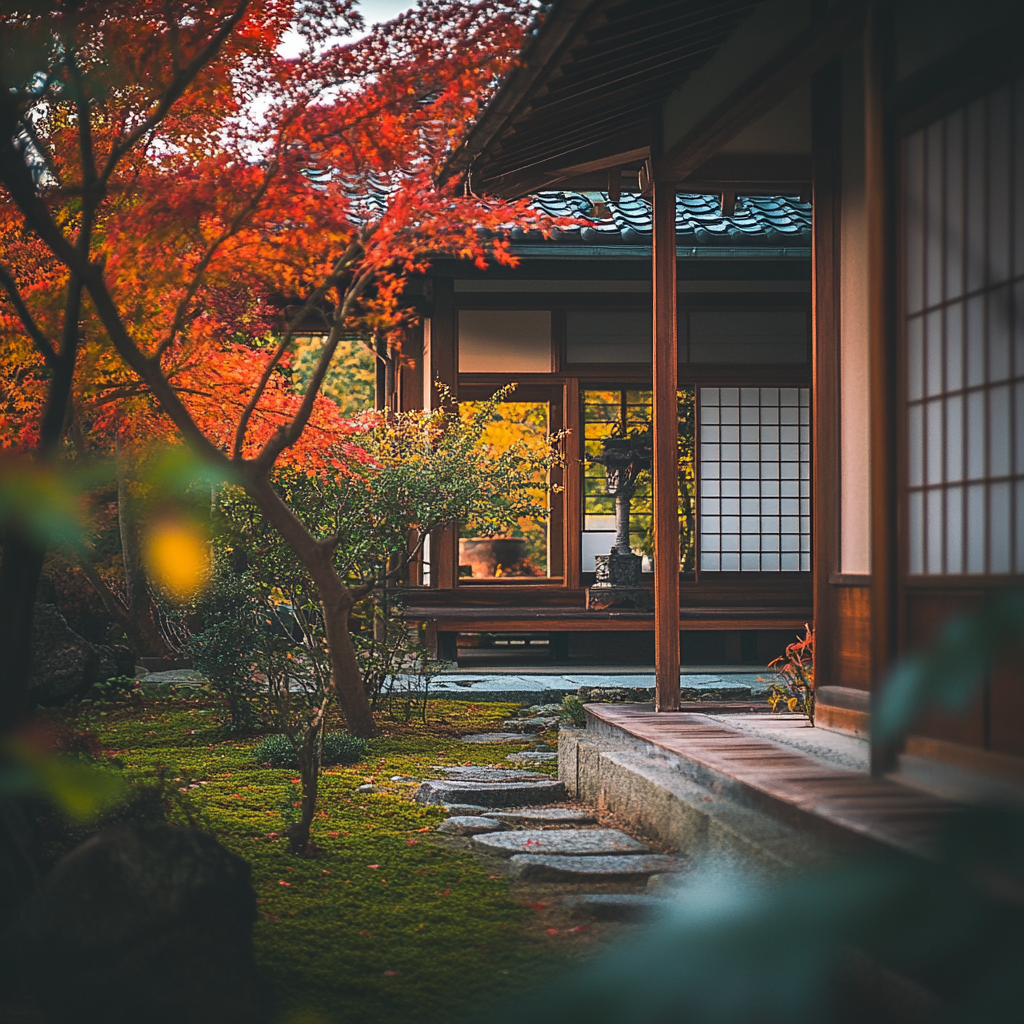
572, 709
336, 748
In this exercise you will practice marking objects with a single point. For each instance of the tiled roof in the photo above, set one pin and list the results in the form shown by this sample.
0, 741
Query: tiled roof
757, 221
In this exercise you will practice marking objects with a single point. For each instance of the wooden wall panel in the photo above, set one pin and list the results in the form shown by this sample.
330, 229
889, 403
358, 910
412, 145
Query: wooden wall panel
1006, 704
926, 616
852, 659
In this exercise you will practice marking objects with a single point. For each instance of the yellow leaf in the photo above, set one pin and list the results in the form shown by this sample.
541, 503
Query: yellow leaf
177, 556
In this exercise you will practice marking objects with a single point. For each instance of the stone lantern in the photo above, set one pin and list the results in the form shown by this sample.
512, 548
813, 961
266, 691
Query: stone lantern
618, 572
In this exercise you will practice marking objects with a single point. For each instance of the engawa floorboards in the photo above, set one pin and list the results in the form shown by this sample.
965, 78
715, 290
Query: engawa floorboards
877, 810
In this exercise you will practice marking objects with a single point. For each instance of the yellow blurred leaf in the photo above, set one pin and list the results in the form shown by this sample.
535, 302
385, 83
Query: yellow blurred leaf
177, 555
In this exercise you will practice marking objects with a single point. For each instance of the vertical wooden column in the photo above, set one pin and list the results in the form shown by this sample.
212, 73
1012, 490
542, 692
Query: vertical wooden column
573, 483
879, 207
826, 149
444, 369
666, 452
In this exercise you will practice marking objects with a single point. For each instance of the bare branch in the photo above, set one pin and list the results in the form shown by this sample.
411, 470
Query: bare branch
42, 343
243, 423
181, 314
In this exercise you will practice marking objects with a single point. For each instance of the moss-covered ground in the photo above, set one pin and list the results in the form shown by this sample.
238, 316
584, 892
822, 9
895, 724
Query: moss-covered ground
389, 923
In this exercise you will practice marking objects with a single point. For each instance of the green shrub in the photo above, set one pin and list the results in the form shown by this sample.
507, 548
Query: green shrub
572, 709
335, 748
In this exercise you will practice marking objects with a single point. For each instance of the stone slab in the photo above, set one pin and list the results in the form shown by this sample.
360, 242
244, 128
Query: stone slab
465, 808
470, 825
543, 816
546, 868
535, 756
495, 737
600, 842
490, 794
474, 773
530, 724
617, 906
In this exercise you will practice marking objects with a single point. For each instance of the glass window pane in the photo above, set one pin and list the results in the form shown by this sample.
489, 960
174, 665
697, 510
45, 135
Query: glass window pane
522, 550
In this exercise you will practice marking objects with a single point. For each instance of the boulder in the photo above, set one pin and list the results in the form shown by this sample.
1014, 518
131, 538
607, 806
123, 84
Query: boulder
145, 923
64, 665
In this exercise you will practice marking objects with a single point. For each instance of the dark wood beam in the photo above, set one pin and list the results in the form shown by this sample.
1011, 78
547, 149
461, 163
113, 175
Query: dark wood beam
443, 366
763, 90
826, 133
537, 60
666, 451
878, 204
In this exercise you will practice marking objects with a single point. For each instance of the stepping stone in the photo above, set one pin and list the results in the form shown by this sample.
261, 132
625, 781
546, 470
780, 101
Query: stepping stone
403, 778
491, 794
455, 809
475, 773
494, 737
367, 788
543, 816
530, 724
470, 825
536, 756
541, 868
600, 842
621, 906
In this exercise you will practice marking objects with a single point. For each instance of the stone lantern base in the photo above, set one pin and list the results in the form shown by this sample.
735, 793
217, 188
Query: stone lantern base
618, 583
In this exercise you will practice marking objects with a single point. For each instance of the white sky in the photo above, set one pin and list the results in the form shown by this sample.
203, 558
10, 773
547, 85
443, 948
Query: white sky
373, 12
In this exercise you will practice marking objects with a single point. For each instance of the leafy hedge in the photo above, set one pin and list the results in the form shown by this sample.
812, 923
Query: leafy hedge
337, 748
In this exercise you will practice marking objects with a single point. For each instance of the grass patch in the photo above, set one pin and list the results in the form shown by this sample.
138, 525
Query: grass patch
386, 925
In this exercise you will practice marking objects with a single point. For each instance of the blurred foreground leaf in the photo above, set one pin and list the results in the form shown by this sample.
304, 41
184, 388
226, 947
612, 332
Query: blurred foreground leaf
46, 501
80, 789
949, 671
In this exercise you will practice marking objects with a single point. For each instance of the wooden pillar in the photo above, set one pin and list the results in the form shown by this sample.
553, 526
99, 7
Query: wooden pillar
573, 496
826, 128
443, 349
879, 207
666, 452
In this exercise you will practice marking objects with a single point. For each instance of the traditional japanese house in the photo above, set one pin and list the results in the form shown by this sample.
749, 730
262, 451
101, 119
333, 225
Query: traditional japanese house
903, 121
571, 327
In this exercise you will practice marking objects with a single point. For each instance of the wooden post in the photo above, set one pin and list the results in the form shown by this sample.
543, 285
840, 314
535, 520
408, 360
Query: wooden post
444, 362
826, 128
572, 497
666, 452
882, 374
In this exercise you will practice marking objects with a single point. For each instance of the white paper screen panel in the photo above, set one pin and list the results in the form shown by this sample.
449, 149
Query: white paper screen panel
743, 336
964, 339
755, 479
505, 340
608, 336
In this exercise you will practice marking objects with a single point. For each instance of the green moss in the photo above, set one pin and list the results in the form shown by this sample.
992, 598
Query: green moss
383, 896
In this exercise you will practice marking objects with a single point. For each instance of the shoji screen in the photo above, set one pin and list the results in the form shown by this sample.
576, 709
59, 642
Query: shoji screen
755, 479
963, 311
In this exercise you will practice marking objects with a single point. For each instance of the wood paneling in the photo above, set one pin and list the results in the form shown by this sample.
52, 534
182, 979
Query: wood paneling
851, 653
666, 450
1006, 704
927, 614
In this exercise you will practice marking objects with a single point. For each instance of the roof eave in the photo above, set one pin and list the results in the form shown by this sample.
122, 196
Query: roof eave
542, 50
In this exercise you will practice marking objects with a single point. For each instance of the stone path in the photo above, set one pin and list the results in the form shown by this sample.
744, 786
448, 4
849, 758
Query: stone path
545, 844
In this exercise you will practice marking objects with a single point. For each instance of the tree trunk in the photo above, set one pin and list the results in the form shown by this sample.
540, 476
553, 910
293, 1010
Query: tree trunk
141, 608
335, 601
20, 570
309, 774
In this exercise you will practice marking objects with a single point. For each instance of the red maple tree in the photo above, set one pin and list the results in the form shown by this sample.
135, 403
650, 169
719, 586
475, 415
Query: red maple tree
166, 170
